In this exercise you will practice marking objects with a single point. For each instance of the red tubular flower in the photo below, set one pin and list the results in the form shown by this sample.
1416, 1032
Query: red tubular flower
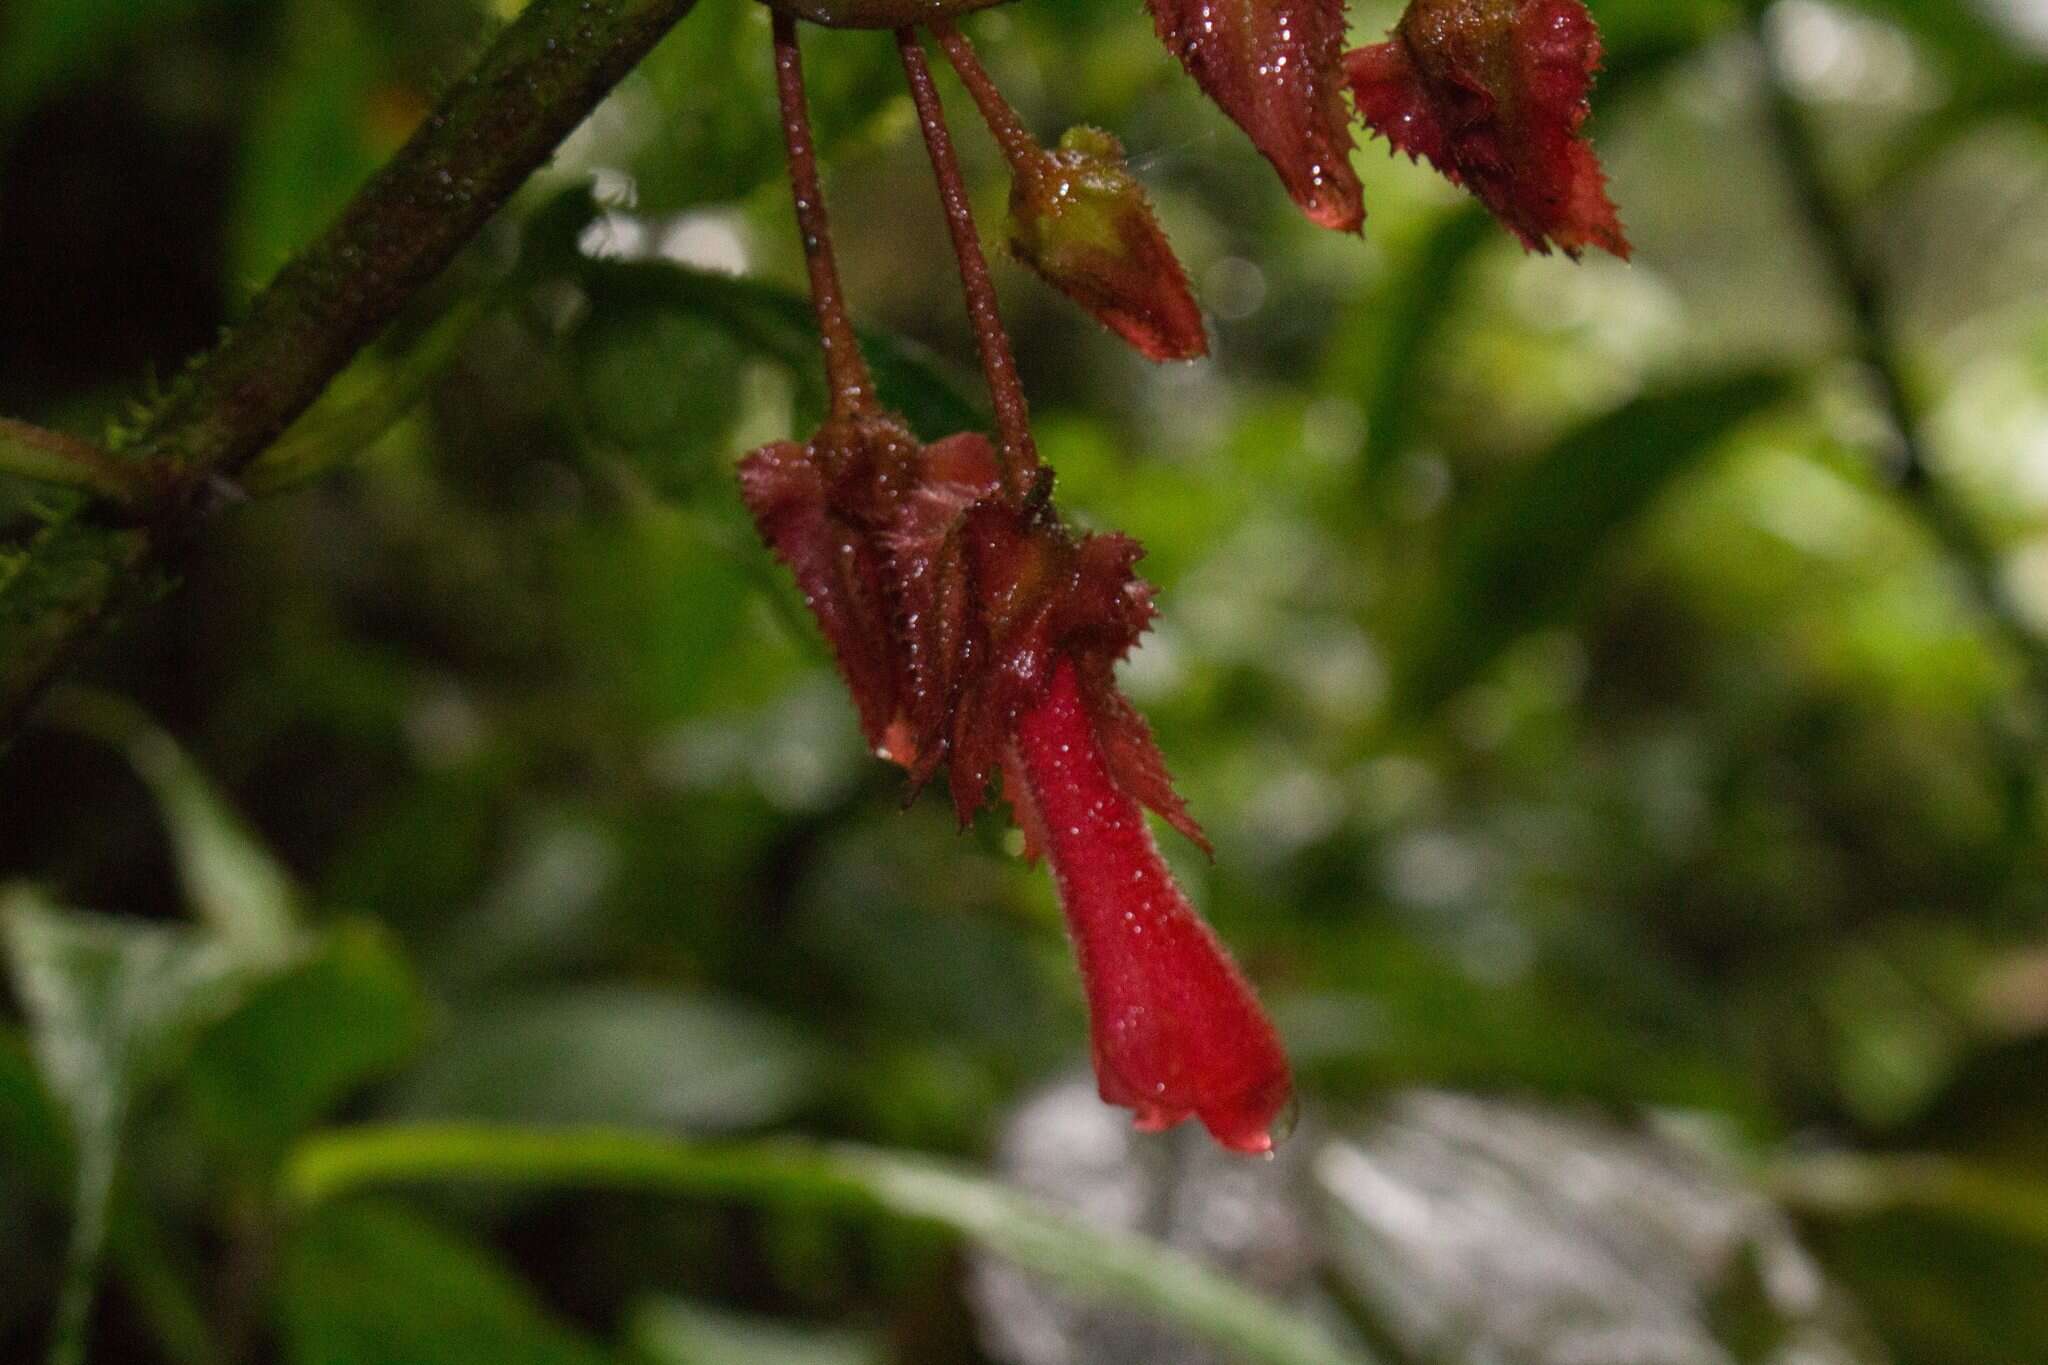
1175, 1030
976, 633
1494, 94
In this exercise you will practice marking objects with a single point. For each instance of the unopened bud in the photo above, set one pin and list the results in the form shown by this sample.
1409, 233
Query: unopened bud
1082, 221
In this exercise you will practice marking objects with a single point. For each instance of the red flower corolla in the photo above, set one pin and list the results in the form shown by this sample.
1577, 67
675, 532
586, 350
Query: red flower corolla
978, 634
1175, 1030
1494, 94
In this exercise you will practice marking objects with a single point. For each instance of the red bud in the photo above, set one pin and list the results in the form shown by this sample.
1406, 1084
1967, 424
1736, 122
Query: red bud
1275, 66
1494, 94
1081, 220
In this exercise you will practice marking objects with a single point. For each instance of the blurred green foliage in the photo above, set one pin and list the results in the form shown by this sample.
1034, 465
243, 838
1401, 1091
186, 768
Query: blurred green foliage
1582, 710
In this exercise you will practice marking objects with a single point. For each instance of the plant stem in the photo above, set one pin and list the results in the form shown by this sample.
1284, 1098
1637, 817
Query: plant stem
94, 1194
491, 130
50, 457
1863, 293
846, 373
998, 363
1101, 1265
174, 1317
1003, 123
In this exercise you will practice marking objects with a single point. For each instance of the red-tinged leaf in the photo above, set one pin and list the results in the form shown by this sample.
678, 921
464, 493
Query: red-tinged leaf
1176, 1031
1081, 220
1493, 93
1275, 66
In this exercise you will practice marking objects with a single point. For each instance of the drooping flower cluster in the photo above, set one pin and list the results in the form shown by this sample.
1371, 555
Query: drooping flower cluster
977, 633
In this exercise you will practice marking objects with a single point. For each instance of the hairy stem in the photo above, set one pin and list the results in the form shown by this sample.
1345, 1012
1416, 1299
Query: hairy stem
1003, 123
998, 363
492, 129
845, 371
50, 457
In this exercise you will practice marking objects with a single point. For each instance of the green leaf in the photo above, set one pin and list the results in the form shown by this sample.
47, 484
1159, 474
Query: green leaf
658, 652
2022, 95
32, 1133
673, 1332
372, 1284
236, 887
718, 135
1092, 1262
769, 321
1942, 1292
777, 324
2013, 1202
308, 144
49, 41
616, 1055
663, 385
1526, 550
365, 401
1408, 325
1946, 1242
111, 1004
302, 1042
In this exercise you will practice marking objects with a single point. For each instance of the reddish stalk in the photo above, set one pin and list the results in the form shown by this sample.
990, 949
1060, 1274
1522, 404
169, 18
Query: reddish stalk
1008, 129
998, 364
846, 372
